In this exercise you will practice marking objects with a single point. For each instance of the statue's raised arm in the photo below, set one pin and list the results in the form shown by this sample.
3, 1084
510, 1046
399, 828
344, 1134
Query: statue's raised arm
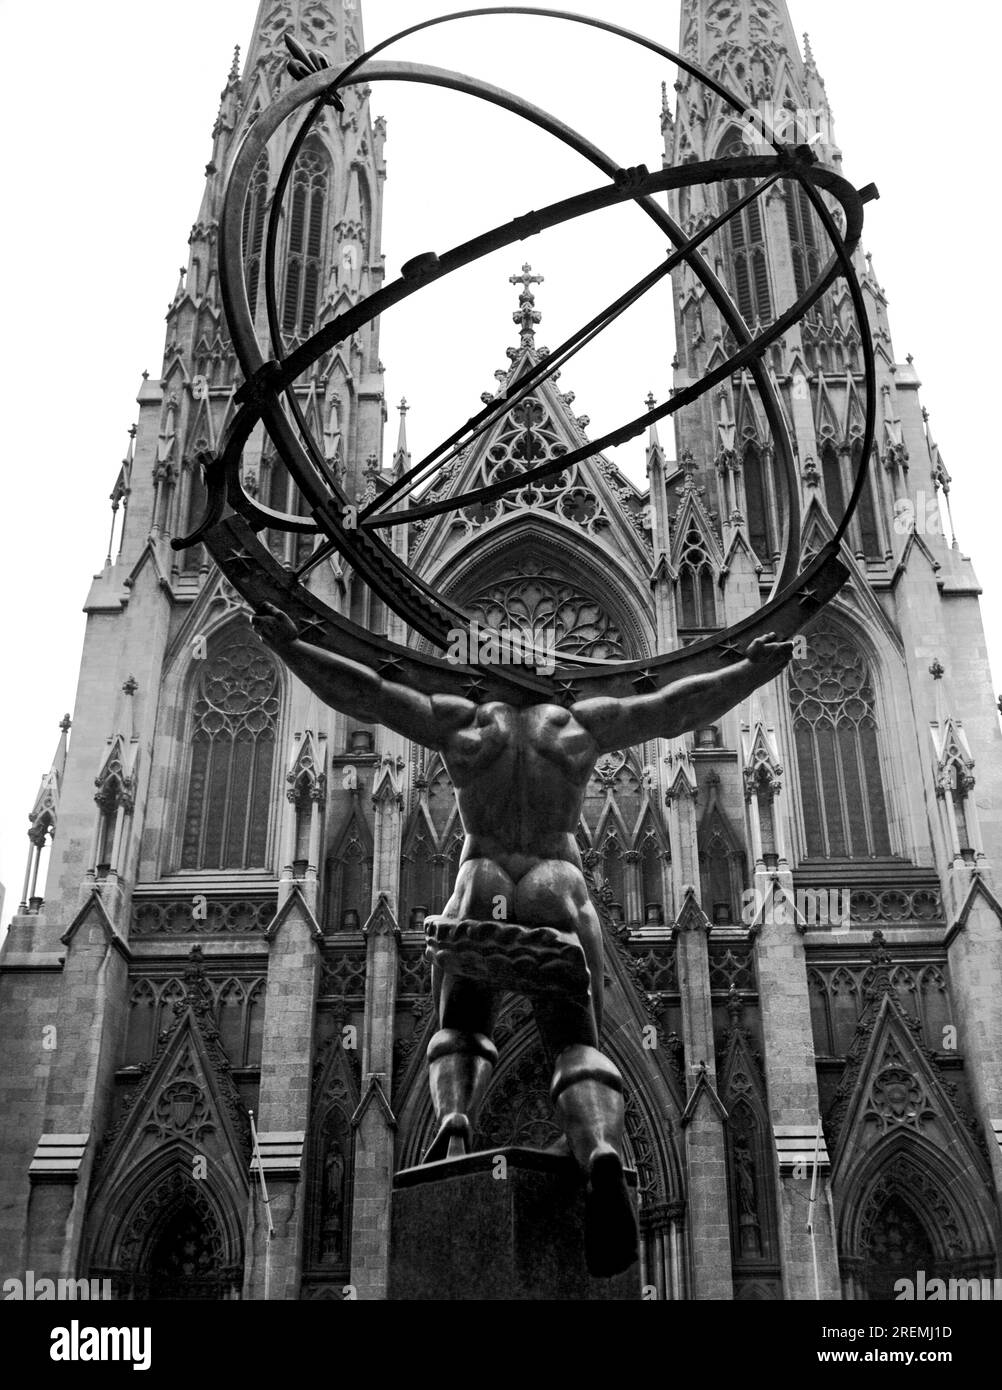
356, 690
692, 703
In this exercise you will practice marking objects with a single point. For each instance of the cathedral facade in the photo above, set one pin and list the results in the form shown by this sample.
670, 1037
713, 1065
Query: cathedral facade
803, 939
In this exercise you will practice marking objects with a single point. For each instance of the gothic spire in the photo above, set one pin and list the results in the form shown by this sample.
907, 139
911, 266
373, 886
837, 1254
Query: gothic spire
331, 27
760, 30
751, 46
47, 800
653, 439
43, 817
401, 456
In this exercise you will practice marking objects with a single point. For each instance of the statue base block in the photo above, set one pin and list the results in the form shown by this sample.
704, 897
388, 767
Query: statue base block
501, 1224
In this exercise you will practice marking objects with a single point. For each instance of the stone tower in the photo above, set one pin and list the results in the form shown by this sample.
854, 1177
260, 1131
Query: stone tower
798, 903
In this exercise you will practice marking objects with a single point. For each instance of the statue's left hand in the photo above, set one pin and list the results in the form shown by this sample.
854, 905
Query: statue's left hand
767, 652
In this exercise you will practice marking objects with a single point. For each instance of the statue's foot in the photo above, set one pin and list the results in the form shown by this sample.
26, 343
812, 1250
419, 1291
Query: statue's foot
610, 1220
453, 1140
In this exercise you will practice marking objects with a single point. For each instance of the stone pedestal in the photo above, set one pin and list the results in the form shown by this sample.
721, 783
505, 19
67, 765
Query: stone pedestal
503, 1224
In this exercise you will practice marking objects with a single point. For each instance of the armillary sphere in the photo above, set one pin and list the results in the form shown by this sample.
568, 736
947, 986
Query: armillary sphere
359, 533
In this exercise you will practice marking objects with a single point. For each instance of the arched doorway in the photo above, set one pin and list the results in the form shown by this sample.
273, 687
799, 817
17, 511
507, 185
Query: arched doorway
909, 1214
182, 1262
899, 1245
176, 1241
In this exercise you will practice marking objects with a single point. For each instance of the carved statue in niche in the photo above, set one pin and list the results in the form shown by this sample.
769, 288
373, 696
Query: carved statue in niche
744, 1176
520, 917
332, 1221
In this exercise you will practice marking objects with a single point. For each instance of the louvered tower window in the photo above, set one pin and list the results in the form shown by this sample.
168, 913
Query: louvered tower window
255, 209
748, 259
801, 223
305, 246
232, 741
835, 732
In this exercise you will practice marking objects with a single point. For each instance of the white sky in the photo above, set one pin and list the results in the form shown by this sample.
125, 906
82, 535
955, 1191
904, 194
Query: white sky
108, 109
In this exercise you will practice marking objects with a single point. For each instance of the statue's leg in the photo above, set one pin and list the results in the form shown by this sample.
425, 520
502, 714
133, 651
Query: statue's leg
461, 1058
587, 1088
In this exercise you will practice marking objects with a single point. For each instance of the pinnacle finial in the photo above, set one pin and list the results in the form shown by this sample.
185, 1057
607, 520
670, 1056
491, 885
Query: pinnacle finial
735, 1006
66, 723
235, 65
401, 455
526, 315
880, 982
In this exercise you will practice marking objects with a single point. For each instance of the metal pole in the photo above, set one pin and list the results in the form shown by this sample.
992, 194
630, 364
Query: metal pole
810, 1211
260, 1172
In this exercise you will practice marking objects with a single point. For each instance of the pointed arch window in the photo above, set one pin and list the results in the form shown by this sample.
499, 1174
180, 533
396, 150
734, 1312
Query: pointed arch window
831, 472
141, 1027
195, 556
432, 842
696, 584
869, 532
613, 870
722, 870
306, 240
760, 529
255, 207
349, 876
653, 852
232, 753
835, 733
280, 493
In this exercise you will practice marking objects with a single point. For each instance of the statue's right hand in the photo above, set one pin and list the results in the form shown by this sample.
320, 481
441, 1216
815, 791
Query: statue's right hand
274, 626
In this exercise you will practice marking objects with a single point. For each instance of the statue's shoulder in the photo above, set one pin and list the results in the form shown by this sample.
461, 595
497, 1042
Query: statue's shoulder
453, 711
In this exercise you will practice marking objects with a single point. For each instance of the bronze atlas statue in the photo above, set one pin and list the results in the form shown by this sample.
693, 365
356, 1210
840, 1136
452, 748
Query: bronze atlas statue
519, 744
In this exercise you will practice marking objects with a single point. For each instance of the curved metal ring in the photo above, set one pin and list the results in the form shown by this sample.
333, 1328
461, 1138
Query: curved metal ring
382, 568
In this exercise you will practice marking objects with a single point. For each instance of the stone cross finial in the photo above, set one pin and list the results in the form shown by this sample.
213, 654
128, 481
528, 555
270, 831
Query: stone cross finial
526, 315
